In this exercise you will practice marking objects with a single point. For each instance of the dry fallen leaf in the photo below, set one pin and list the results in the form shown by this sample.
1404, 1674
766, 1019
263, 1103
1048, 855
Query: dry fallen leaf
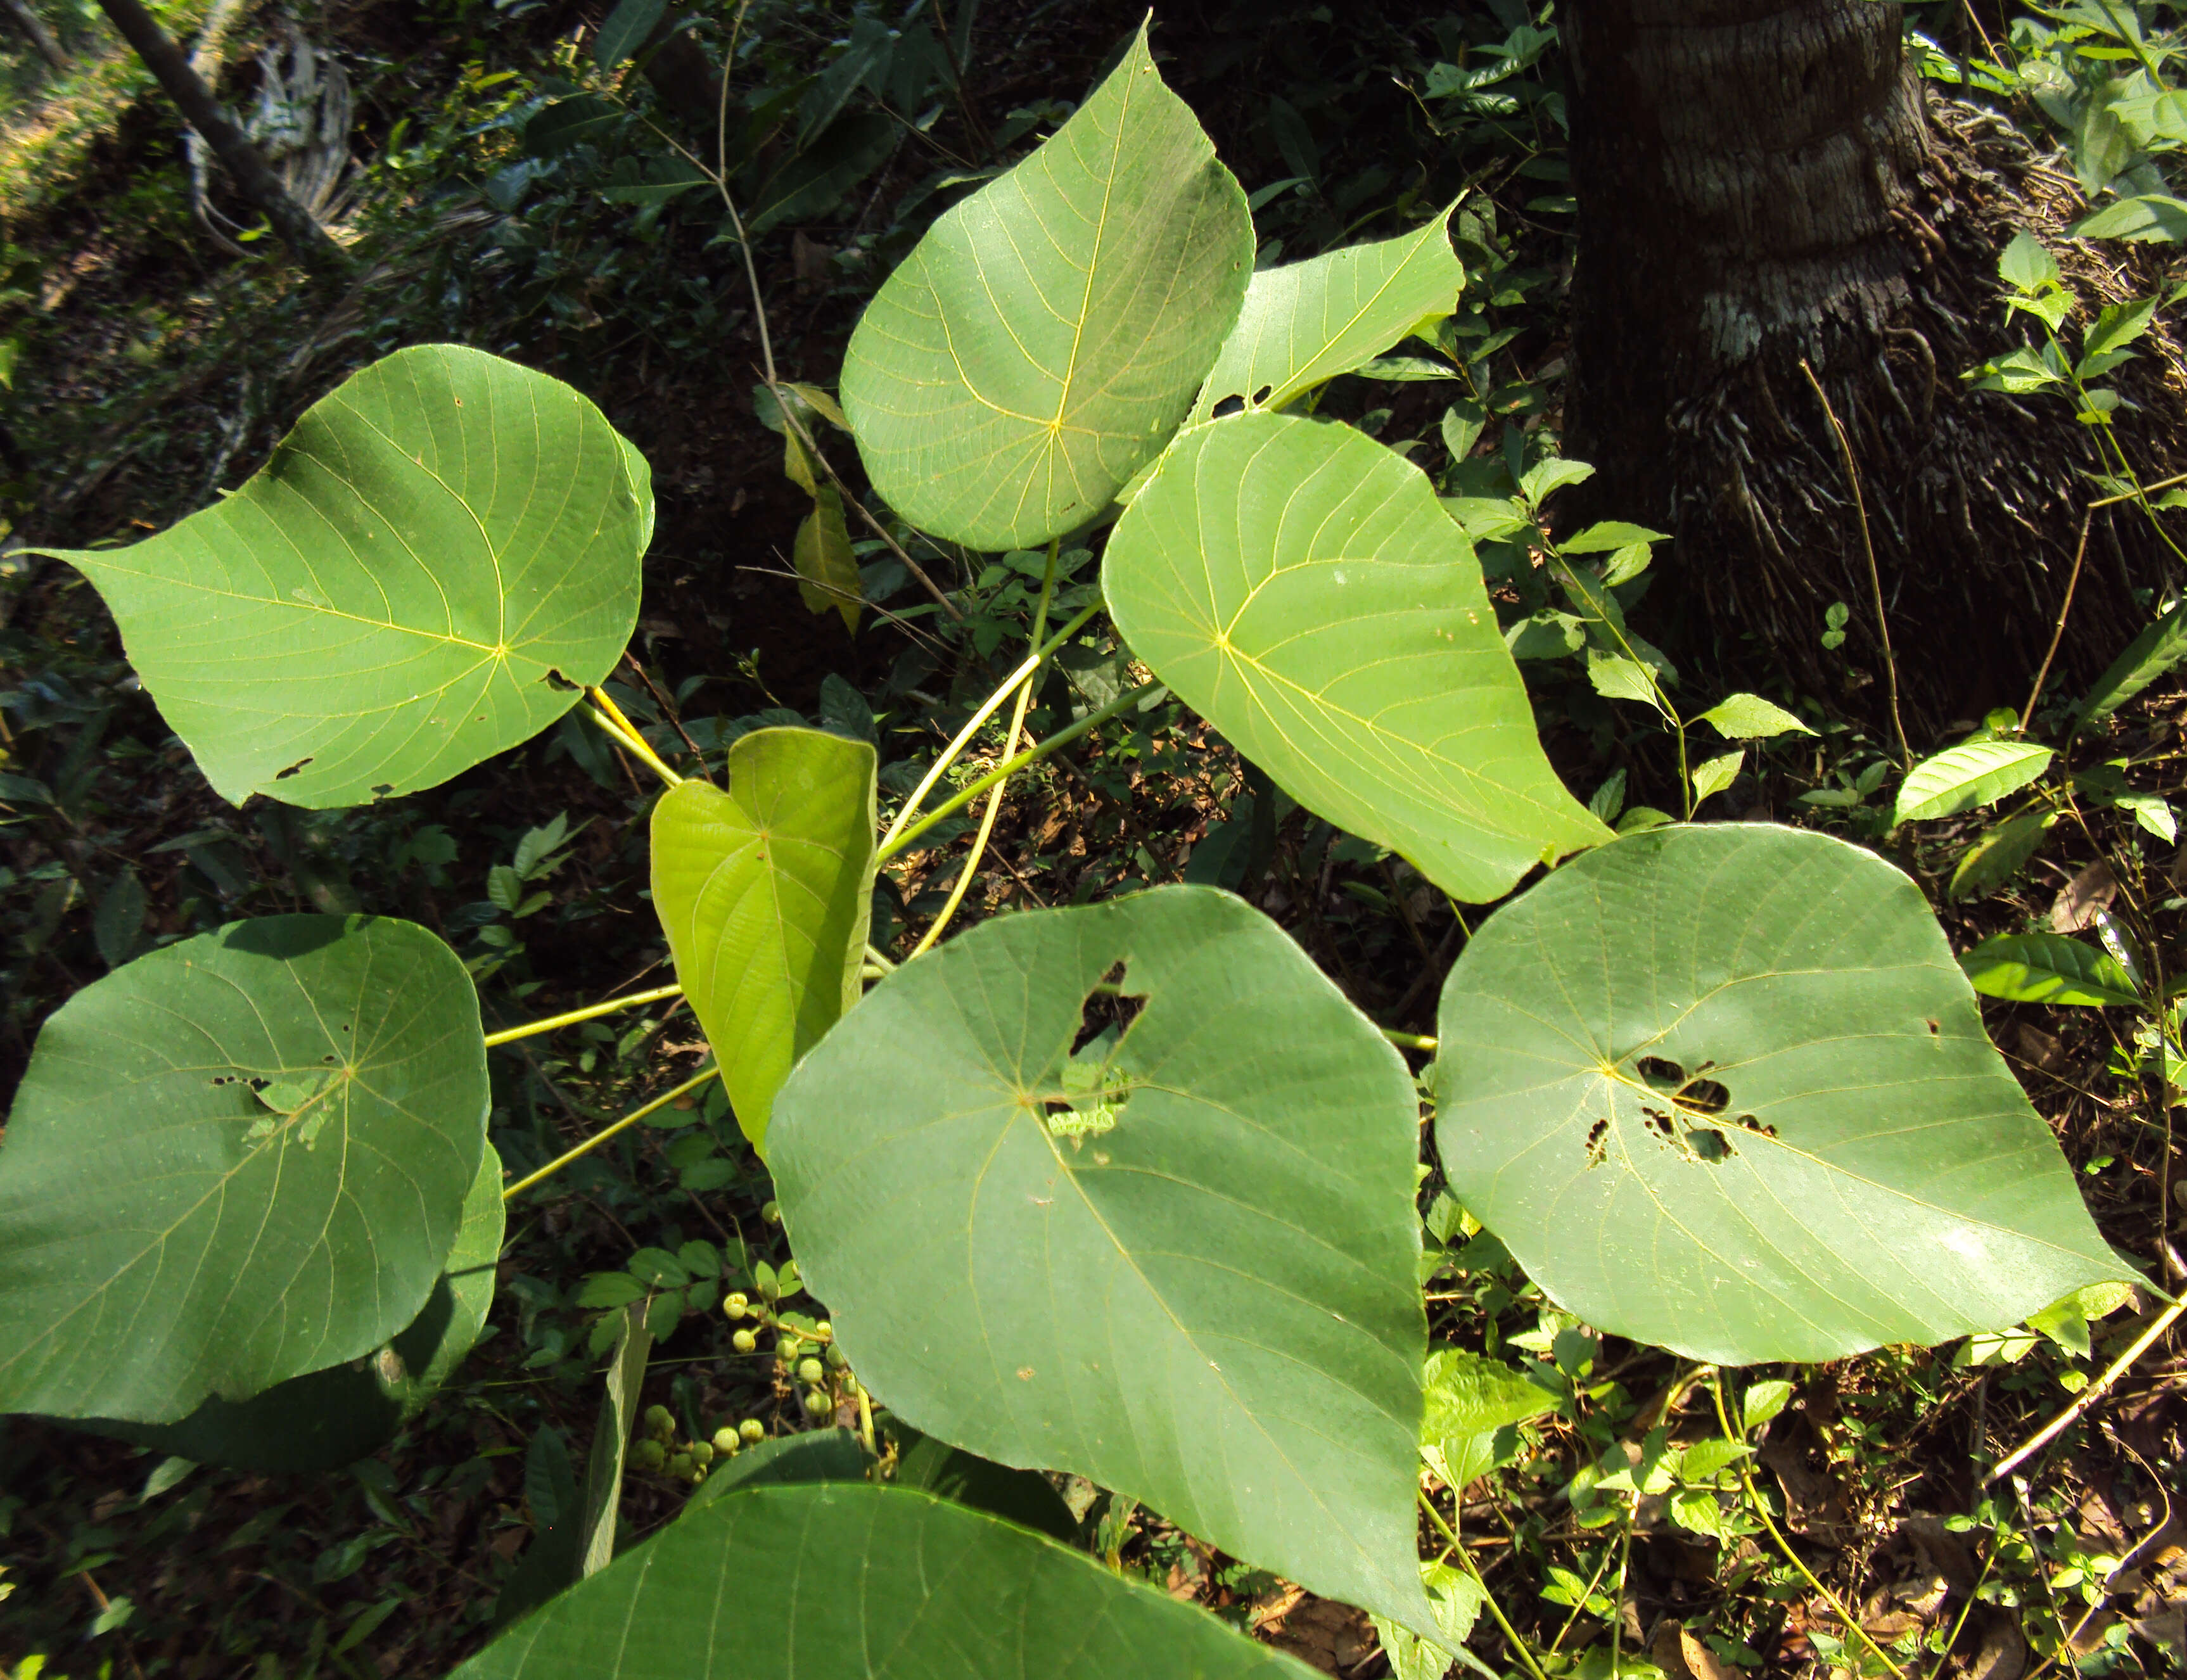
2088, 892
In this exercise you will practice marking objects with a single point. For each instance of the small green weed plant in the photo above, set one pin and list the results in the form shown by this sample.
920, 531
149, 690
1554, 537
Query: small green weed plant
1123, 1191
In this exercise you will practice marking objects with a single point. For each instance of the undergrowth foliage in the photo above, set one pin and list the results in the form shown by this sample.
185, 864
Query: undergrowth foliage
1124, 1191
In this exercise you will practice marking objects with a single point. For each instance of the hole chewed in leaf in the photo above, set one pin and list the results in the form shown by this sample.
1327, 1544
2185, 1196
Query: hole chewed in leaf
1705, 1095
1228, 405
1595, 1134
561, 684
1748, 1123
1709, 1144
1094, 1090
1662, 1075
283, 775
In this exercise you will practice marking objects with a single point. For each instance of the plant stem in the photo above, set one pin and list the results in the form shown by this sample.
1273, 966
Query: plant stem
1062, 738
1875, 580
1408, 1041
1520, 1647
509, 1034
1009, 745
1846, 1617
599, 1137
2088, 1395
604, 712
2058, 635
988, 707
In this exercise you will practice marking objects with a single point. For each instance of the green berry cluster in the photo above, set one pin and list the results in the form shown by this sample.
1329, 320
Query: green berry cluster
659, 1452
807, 1362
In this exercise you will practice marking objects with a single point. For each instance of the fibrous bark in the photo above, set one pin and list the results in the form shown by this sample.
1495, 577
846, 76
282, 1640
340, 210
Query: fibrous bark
1764, 181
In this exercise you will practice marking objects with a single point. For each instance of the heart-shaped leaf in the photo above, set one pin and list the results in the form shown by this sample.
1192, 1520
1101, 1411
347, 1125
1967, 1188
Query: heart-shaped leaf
336, 1416
1307, 322
1043, 341
1298, 585
417, 580
1181, 1265
850, 1581
165, 1235
765, 892
1725, 1089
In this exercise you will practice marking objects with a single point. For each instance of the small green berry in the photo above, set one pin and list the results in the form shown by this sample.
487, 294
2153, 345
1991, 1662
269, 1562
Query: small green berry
680, 1466
810, 1372
772, 1213
737, 1306
835, 1359
743, 1342
727, 1442
648, 1454
824, 1330
817, 1402
701, 1452
752, 1430
660, 1422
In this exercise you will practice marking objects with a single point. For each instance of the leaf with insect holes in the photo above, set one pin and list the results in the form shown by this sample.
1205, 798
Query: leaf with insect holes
1967, 776
1305, 322
238, 1160
1725, 1089
1048, 335
765, 892
336, 1416
443, 551
1200, 1252
860, 1582
2049, 968
1297, 584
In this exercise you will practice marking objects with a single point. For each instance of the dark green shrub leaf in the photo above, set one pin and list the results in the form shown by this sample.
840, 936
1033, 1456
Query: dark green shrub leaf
1725, 1089
413, 583
166, 1235
765, 892
849, 1581
2047, 967
1174, 1253
1049, 334
2159, 647
1298, 585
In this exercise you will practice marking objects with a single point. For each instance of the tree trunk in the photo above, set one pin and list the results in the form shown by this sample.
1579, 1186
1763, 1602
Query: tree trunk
246, 165
39, 37
1760, 183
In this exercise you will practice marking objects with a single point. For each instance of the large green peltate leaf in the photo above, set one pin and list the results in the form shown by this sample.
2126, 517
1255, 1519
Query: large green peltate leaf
1307, 322
236, 1160
842, 1580
438, 551
1043, 340
1181, 1264
1300, 586
765, 892
1724, 1089
336, 1416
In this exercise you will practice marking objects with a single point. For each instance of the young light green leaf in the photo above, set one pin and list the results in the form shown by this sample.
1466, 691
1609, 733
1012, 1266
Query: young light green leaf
2000, 854
827, 570
2150, 655
1714, 775
1048, 335
1609, 799
1297, 584
1749, 718
765, 892
1618, 679
1763, 1402
1966, 776
1306, 323
2025, 263
2047, 967
1469, 1395
335, 1416
431, 563
146, 1189
1457, 1597
1724, 1088
1462, 425
2117, 326
1218, 1268
1611, 534
1539, 481
2152, 813
1625, 564
859, 1582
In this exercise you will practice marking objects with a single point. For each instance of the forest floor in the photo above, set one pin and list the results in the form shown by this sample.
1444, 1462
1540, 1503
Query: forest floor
144, 371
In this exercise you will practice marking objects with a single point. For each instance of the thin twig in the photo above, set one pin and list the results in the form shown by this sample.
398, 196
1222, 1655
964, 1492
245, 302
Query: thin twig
1875, 580
601, 1137
2058, 635
2088, 1395
813, 452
